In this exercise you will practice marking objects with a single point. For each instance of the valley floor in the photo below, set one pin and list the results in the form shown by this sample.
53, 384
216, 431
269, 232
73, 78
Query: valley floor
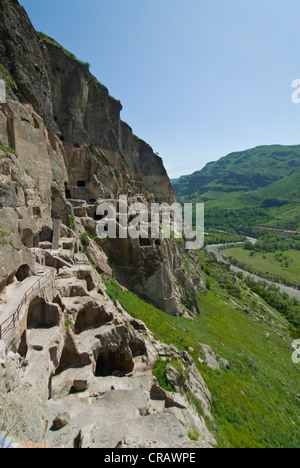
284, 266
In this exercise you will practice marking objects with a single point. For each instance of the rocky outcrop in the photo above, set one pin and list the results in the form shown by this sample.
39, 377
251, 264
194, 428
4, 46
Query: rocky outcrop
85, 367
75, 106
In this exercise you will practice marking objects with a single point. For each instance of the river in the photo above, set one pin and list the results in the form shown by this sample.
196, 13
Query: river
216, 249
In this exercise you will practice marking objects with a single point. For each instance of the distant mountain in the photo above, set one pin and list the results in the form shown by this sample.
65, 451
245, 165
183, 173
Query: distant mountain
173, 181
264, 180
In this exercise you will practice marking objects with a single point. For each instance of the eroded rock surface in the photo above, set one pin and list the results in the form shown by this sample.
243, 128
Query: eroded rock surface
86, 366
75, 368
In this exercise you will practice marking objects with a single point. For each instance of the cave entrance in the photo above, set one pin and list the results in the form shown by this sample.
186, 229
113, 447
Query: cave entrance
138, 347
36, 242
67, 192
46, 234
71, 358
42, 315
81, 184
23, 273
91, 316
145, 242
114, 362
36, 211
27, 238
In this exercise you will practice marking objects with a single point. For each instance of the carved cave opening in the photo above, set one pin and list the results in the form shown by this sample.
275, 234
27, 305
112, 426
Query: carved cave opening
42, 315
91, 316
114, 362
23, 273
71, 358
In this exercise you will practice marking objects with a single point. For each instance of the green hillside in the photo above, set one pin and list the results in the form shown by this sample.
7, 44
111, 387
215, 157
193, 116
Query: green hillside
255, 401
241, 190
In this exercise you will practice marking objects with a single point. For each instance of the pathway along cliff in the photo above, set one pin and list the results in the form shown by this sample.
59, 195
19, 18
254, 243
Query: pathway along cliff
216, 249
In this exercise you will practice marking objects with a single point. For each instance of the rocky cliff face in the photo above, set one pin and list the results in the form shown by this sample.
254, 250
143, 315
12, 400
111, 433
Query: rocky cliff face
79, 110
63, 150
69, 137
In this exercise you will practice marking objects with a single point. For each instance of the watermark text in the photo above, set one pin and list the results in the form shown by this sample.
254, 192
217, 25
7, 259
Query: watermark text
152, 221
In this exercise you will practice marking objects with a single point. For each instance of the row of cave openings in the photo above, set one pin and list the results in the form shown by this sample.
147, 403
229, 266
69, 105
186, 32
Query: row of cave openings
30, 240
115, 360
44, 315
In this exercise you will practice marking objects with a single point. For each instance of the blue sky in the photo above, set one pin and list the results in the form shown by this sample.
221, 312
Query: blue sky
198, 79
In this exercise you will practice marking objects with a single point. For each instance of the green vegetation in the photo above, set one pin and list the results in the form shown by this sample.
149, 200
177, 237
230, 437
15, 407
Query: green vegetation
8, 150
222, 237
282, 267
245, 171
159, 371
72, 222
85, 240
7, 78
3, 190
272, 242
5, 234
51, 41
260, 186
251, 408
194, 434
290, 308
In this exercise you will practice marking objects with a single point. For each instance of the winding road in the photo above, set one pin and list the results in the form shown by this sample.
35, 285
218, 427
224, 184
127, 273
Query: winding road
216, 249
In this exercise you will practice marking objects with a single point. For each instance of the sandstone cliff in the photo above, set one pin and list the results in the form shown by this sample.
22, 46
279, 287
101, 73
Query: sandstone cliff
63, 150
68, 135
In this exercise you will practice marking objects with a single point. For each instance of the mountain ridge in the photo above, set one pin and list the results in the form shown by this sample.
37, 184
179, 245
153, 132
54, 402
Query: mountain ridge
263, 177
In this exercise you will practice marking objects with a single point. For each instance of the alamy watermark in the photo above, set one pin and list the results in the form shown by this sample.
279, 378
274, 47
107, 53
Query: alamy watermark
155, 221
296, 93
2, 91
296, 353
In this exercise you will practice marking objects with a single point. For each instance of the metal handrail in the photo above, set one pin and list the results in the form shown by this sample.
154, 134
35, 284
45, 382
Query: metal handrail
12, 319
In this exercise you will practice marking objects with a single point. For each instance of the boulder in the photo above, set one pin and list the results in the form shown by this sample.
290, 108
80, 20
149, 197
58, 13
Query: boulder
210, 357
61, 421
80, 385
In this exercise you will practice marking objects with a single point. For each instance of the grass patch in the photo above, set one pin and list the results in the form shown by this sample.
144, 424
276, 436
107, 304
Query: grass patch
7, 78
51, 41
159, 371
194, 434
8, 150
279, 266
72, 222
4, 233
85, 240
